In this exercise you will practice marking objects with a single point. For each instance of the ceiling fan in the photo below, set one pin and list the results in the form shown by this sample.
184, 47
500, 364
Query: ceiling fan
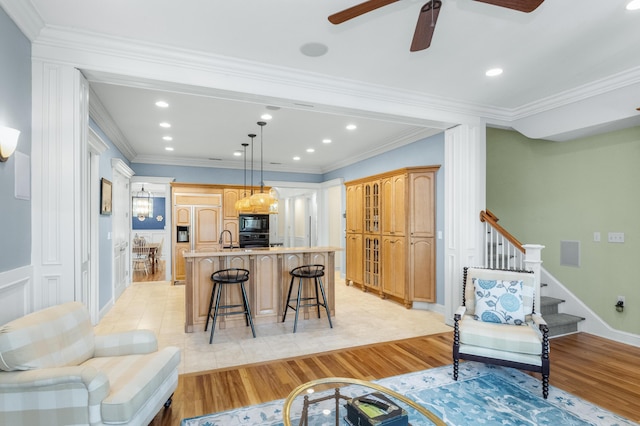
427, 17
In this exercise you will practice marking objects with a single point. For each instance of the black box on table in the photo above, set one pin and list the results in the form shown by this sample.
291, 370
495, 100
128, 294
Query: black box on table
375, 409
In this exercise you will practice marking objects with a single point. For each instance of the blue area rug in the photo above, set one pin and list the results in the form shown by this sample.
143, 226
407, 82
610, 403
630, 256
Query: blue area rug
483, 395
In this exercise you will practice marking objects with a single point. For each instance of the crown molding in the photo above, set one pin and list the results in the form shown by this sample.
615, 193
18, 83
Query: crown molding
122, 167
233, 78
25, 16
105, 122
586, 91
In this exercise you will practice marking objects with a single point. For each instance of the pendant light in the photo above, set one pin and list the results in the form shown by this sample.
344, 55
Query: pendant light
263, 202
143, 204
243, 205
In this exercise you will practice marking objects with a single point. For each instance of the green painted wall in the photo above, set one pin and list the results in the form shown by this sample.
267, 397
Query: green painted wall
546, 192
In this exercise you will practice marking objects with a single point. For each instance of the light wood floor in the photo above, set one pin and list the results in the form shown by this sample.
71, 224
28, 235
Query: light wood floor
598, 370
141, 276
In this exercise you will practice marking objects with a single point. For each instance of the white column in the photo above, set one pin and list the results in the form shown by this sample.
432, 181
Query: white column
465, 180
60, 115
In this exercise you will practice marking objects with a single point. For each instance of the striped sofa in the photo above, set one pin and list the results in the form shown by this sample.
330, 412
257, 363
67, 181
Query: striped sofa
55, 371
524, 346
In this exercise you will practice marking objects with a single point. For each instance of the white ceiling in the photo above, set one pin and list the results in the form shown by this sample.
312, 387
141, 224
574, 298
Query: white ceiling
576, 62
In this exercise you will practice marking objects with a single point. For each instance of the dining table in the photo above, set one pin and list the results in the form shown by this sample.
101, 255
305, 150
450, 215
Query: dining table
153, 250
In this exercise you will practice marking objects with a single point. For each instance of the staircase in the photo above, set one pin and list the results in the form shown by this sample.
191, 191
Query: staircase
558, 322
505, 252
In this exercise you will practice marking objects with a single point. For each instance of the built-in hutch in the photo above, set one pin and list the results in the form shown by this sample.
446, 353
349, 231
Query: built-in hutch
390, 242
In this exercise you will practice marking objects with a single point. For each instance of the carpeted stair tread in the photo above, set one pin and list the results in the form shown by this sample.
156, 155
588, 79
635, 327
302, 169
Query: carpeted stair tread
549, 305
548, 300
560, 324
561, 319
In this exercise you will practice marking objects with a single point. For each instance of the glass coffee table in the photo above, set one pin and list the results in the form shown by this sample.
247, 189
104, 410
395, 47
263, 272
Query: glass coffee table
324, 402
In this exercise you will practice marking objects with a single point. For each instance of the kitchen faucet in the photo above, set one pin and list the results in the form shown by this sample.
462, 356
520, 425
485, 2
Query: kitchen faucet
222, 237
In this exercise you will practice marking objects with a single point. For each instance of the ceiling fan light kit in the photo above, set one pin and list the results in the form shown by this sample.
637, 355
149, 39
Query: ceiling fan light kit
427, 17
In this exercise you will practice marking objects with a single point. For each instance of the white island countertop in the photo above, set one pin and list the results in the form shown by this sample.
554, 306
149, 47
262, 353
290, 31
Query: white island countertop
257, 250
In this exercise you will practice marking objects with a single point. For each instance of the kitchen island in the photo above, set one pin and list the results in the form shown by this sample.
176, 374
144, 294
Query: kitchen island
267, 286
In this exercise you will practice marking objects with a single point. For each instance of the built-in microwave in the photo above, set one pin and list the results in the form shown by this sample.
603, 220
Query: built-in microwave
255, 223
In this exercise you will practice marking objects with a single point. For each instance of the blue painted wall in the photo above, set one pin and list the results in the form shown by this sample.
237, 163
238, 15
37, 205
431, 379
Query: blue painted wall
105, 222
152, 222
15, 112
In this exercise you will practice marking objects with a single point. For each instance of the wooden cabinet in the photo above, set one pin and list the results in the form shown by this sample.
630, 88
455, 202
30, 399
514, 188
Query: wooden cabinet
371, 199
207, 227
394, 205
390, 237
422, 280
354, 259
230, 216
422, 208
372, 267
199, 209
182, 215
394, 268
229, 198
354, 208
179, 269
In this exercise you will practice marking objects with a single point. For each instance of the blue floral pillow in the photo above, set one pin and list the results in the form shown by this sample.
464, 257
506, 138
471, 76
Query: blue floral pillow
499, 301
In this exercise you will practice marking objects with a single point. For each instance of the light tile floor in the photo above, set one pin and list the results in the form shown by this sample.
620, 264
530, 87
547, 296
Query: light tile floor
361, 318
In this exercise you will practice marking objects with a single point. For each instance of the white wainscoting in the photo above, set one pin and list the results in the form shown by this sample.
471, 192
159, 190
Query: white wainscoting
15, 293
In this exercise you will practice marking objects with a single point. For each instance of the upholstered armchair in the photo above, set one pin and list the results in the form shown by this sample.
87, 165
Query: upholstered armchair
55, 371
498, 324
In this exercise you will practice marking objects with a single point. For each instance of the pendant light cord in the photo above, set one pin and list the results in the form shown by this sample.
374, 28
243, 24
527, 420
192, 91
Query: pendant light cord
261, 124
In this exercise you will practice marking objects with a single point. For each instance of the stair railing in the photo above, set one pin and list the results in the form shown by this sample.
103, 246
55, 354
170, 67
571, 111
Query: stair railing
503, 250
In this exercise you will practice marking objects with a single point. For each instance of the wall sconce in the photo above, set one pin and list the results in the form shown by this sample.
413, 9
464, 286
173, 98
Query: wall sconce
8, 142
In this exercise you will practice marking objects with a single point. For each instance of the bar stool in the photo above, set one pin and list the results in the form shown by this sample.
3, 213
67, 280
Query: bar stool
222, 278
315, 272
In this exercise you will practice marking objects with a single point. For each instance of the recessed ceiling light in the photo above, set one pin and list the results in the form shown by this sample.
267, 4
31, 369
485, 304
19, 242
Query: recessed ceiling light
296, 158
314, 49
162, 104
237, 154
633, 5
168, 148
493, 72
266, 116
165, 125
167, 138
351, 127
326, 140
310, 150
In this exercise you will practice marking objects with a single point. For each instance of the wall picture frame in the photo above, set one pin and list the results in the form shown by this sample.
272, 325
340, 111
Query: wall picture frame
106, 196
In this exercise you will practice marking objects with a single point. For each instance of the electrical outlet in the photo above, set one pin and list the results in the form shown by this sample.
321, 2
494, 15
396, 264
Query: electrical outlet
596, 237
616, 237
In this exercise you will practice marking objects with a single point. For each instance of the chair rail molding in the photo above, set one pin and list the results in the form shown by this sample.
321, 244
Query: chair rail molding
15, 293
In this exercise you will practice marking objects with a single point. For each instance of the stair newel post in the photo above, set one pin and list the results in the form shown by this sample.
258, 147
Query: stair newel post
533, 262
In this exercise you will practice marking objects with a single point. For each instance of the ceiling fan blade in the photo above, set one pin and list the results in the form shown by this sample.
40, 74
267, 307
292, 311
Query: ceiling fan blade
357, 10
519, 5
426, 25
